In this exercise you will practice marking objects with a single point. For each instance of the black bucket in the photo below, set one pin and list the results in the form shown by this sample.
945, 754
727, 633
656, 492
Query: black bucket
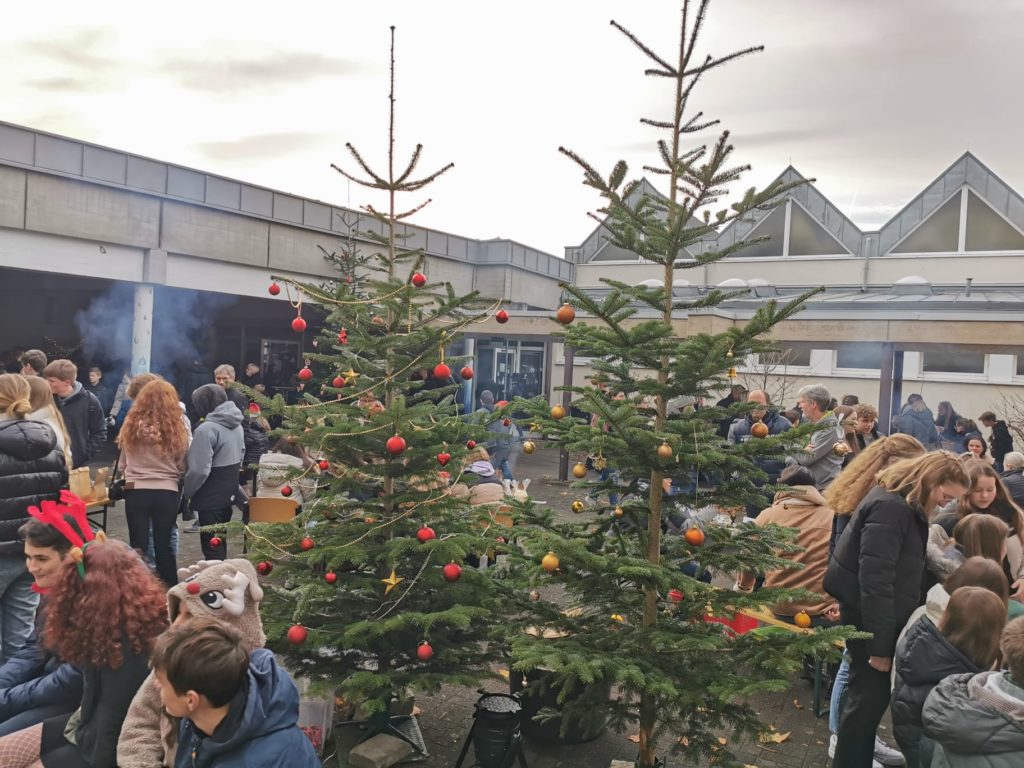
497, 729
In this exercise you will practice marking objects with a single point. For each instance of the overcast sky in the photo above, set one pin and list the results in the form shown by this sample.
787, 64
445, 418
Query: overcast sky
874, 98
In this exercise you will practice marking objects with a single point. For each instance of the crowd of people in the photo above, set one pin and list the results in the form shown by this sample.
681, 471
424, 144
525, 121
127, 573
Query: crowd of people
915, 538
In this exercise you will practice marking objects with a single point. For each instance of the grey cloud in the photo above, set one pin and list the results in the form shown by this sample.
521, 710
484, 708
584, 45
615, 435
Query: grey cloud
231, 75
63, 84
79, 50
264, 145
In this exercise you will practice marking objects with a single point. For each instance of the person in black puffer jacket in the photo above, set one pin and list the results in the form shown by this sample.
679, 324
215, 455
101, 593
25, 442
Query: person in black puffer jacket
877, 575
966, 641
32, 469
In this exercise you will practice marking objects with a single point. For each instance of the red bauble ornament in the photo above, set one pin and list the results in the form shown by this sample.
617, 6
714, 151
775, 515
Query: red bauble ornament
305, 374
565, 314
216, 541
343, 336
330, 577
193, 588
443, 458
274, 289
424, 652
452, 572
306, 544
442, 371
395, 445
254, 408
338, 382
419, 279
298, 325
675, 596
425, 534
324, 465
297, 634
466, 373
501, 316
264, 568
471, 444
286, 491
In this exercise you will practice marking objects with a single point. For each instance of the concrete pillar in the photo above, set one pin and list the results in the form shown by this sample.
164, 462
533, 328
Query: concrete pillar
885, 387
467, 386
568, 356
142, 329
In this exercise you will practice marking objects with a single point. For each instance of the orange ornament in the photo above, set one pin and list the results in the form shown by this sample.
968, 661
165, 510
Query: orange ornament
760, 429
802, 620
694, 536
565, 314
550, 562
665, 451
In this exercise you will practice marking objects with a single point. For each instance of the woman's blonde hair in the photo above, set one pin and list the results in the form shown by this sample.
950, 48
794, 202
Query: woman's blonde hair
41, 398
854, 482
982, 536
15, 402
973, 623
916, 479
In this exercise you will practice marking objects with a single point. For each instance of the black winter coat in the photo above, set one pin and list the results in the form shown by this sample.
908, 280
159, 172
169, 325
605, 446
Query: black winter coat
87, 427
31, 469
1001, 441
923, 659
877, 569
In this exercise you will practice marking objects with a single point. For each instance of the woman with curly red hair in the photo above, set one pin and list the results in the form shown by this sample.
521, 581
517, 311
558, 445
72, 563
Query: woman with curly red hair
153, 443
103, 617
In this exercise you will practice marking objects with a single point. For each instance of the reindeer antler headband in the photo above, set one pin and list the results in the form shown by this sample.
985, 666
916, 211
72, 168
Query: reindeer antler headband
53, 514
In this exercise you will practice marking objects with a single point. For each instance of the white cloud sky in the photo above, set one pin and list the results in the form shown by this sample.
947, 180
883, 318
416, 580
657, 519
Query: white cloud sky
873, 98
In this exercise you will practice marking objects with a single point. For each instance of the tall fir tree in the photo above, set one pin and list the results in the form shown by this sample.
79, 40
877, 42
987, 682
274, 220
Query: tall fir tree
622, 614
370, 588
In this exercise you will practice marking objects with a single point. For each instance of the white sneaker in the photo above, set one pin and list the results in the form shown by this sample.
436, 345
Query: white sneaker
888, 756
832, 750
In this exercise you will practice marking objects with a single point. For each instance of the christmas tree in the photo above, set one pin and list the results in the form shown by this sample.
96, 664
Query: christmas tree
369, 588
621, 614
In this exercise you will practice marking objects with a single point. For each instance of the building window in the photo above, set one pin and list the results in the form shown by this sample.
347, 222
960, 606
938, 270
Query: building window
867, 357
784, 358
953, 362
938, 233
1020, 365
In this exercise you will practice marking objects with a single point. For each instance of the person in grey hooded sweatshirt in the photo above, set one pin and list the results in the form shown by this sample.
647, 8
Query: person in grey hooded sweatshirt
977, 721
212, 464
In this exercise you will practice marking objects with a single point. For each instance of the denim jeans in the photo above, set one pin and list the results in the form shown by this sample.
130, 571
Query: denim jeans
18, 604
835, 707
151, 555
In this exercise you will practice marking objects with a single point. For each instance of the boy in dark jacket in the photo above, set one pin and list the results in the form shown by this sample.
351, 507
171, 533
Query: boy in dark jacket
977, 721
212, 463
34, 684
238, 709
82, 412
1000, 441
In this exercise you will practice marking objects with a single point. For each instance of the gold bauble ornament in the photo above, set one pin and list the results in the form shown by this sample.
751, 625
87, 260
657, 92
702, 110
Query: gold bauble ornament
579, 471
558, 413
665, 451
550, 562
618, 512
529, 446
802, 620
728, 354
578, 506
618, 617
840, 449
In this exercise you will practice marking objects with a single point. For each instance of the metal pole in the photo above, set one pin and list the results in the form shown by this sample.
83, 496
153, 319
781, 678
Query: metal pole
885, 388
563, 459
142, 329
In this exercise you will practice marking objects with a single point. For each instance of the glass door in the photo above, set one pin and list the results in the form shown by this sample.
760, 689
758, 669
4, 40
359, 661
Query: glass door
280, 361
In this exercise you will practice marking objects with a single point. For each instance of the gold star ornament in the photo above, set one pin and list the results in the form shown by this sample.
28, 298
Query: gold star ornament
350, 374
392, 581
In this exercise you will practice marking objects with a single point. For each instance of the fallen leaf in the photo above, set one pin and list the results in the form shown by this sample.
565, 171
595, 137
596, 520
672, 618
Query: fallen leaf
503, 673
635, 738
684, 741
776, 738
797, 704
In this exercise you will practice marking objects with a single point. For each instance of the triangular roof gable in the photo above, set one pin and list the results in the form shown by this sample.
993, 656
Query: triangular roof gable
966, 170
597, 242
820, 208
